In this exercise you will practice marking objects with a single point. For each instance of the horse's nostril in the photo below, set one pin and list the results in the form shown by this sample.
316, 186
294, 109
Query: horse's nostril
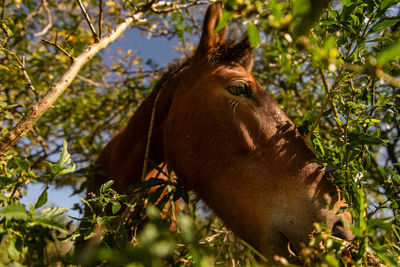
338, 224
339, 230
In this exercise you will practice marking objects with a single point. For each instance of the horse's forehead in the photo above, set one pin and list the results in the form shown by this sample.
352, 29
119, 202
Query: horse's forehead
210, 77
231, 72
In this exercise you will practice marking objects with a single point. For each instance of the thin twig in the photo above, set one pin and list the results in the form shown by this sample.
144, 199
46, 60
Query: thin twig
59, 48
388, 78
323, 80
149, 4
335, 111
328, 99
28, 79
5, 42
307, 136
166, 10
88, 20
49, 19
91, 82
378, 72
100, 16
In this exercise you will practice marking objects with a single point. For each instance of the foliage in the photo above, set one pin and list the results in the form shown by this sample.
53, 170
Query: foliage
25, 233
333, 67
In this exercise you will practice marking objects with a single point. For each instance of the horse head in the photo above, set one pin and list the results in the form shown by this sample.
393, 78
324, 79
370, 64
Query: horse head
228, 140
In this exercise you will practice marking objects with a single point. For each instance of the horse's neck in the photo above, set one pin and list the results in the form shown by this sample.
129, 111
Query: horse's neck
123, 157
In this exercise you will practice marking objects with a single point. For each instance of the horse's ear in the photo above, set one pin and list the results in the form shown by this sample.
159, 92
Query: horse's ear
210, 39
242, 53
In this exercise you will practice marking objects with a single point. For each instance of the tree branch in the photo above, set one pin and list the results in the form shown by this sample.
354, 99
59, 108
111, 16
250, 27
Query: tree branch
378, 72
38, 109
59, 48
50, 21
173, 7
28, 79
95, 36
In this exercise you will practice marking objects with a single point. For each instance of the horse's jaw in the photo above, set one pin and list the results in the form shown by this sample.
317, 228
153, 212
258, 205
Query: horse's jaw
271, 209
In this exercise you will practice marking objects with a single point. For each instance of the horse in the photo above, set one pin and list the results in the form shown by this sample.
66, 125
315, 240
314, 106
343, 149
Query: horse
227, 140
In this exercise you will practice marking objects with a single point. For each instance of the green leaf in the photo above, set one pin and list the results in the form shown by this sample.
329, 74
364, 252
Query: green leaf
301, 7
51, 224
226, 16
385, 5
252, 32
104, 187
23, 164
390, 53
385, 22
153, 212
87, 204
276, 10
3, 67
14, 211
65, 160
3, 197
319, 148
355, 19
70, 237
258, 5
384, 254
61, 167
6, 29
13, 252
364, 139
331, 260
186, 225
116, 206
42, 198
308, 16
142, 185
346, 3
372, 121
379, 223
341, 123
359, 208
52, 212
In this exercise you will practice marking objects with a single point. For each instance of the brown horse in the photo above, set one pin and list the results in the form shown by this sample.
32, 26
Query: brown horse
229, 141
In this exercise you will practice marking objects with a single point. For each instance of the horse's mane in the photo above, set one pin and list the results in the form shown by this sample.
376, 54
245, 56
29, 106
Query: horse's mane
232, 51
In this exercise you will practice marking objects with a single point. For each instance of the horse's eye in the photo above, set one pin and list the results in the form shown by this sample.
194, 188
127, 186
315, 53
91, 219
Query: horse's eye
240, 88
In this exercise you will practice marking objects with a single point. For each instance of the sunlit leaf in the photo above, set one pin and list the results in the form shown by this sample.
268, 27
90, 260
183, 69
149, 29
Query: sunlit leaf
308, 12
52, 212
51, 224
42, 198
64, 164
384, 23
390, 53
13, 252
226, 16
252, 32
105, 187
14, 211
365, 139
